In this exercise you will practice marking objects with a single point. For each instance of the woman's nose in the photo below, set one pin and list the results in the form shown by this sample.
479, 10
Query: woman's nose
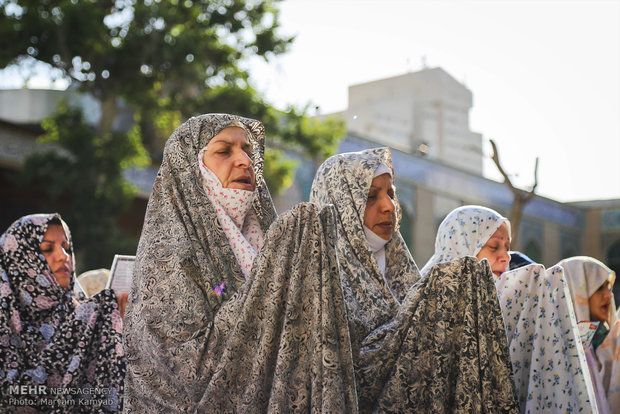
505, 257
242, 159
62, 255
387, 204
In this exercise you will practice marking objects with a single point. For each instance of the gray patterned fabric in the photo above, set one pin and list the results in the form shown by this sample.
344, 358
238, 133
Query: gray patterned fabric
344, 181
431, 345
202, 339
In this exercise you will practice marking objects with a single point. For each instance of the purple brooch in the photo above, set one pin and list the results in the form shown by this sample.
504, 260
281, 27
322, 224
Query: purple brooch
219, 289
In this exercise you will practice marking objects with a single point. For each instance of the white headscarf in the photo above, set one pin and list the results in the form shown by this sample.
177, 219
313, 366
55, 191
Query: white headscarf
585, 275
237, 218
376, 243
464, 232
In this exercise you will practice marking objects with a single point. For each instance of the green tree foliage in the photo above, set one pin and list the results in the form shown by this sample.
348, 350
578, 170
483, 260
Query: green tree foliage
164, 61
278, 170
157, 55
318, 138
83, 178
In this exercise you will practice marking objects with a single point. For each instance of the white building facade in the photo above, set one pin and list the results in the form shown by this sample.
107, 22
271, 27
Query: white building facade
425, 112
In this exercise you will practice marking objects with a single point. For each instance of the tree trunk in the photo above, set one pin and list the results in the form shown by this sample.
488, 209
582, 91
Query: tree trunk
516, 212
520, 197
109, 111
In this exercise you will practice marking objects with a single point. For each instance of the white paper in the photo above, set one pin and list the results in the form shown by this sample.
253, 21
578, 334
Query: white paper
77, 287
121, 274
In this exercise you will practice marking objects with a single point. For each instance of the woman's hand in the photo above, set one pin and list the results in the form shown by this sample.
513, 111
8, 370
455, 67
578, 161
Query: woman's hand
122, 303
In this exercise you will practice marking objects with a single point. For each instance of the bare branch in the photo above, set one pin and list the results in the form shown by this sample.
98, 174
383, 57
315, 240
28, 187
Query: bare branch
495, 158
531, 193
520, 197
535, 175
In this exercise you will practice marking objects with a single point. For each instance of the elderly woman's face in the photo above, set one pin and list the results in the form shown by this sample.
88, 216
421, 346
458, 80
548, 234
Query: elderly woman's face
379, 213
228, 156
57, 252
496, 250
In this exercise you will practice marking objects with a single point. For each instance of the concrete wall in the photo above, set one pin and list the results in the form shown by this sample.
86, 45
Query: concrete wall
425, 111
592, 234
28, 106
424, 227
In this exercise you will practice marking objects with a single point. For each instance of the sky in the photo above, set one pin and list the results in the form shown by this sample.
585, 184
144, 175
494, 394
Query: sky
545, 75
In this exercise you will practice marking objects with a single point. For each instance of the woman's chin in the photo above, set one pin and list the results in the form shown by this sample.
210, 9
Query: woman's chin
63, 280
383, 231
385, 235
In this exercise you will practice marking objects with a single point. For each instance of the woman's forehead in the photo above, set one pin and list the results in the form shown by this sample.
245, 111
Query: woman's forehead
231, 134
382, 180
54, 231
501, 232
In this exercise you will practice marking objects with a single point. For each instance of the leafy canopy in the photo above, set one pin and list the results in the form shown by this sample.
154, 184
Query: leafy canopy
133, 49
160, 61
82, 177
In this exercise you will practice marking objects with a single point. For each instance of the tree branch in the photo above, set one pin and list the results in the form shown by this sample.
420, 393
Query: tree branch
531, 193
520, 197
495, 158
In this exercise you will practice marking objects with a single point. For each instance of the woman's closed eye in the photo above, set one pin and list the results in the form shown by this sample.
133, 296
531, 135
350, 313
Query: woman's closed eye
46, 247
49, 248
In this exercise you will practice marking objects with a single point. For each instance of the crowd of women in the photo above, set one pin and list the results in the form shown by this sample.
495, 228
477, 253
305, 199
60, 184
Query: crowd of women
320, 309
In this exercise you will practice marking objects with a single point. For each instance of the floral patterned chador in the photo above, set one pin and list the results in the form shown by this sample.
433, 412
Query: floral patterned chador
69, 356
548, 361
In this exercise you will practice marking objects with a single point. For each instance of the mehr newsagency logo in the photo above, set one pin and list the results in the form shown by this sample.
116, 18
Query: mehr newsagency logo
44, 396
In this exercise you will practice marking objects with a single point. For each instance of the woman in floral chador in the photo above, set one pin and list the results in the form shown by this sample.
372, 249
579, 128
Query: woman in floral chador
419, 345
69, 356
231, 309
591, 283
549, 365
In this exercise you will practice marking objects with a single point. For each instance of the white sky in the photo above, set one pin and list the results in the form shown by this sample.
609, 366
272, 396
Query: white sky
545, 75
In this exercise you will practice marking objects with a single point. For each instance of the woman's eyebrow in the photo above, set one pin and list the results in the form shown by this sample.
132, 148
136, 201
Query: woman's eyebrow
221, 141
47, 241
